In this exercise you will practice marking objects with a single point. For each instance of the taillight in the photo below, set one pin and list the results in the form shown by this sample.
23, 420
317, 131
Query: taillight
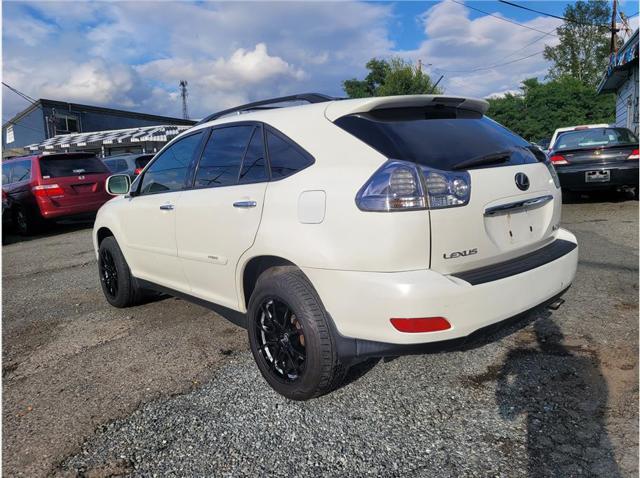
635, 154
137, 171
558, 159
48, 190
421, 324
403, 186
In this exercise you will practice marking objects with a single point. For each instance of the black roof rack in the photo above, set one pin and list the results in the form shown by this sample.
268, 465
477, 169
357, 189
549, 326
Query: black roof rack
308, 97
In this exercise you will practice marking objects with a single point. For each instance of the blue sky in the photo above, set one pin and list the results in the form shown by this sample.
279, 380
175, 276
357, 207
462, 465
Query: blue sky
131, 55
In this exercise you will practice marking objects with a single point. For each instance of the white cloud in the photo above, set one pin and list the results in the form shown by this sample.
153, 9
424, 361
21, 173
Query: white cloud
456, 45
132, 54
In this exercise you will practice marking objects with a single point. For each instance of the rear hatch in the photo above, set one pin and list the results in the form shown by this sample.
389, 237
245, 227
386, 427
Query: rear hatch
73, 179
513, 206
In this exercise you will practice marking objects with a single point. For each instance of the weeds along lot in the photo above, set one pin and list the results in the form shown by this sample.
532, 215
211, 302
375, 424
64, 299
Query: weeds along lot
169, 388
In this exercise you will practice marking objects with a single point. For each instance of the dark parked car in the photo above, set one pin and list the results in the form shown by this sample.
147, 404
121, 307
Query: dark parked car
130, 164
596, 158
46, 187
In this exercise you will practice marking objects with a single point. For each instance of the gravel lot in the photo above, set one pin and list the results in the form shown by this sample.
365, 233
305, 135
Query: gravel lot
170, 389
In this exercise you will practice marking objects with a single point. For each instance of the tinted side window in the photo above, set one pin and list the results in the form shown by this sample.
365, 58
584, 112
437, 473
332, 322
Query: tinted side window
285, 158
222, 156
254, 166
21, 171
7, 168
168, 172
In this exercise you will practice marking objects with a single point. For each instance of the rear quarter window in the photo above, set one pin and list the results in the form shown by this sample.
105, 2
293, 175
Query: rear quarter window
437, 137
285, 157
60, 167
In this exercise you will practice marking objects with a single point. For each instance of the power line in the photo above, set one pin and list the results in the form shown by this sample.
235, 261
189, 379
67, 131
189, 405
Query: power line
20, 94
502, 18
495, 66
551, 15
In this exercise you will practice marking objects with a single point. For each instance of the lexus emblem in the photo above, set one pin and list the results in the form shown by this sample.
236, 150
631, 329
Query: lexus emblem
522, 181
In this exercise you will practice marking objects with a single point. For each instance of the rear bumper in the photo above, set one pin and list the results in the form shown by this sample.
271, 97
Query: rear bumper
361, 303
621, 174
48, 210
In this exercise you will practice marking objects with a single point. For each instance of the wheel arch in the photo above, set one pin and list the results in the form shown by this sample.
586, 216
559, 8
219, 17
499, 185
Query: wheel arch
102, 233
256, 266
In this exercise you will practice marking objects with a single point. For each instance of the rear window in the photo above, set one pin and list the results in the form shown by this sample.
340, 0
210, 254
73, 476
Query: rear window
142, 161
60, 167
595, 138
437, 137
116, 165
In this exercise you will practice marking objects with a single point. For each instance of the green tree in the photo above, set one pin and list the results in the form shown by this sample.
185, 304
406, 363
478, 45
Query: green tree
390, 78
583, 51
540, 108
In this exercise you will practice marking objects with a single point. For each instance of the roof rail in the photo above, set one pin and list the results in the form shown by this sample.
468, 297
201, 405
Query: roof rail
308, 97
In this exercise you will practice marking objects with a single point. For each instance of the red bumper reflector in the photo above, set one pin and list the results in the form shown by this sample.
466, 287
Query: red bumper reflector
422, 324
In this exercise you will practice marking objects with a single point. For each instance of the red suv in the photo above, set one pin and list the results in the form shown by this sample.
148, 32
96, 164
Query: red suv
52, 186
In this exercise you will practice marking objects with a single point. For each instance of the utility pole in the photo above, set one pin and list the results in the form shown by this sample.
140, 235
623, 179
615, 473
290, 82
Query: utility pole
184, 94
614, 39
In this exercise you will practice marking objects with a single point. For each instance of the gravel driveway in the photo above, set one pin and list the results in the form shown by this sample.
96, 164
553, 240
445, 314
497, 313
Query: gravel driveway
555, 393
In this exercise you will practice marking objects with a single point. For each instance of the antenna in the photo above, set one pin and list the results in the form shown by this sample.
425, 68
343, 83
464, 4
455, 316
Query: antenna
184, 94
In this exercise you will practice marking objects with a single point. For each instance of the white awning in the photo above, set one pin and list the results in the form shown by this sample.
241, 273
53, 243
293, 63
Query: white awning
161, 134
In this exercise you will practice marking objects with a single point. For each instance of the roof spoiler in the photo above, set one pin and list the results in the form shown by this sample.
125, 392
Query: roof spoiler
338, 109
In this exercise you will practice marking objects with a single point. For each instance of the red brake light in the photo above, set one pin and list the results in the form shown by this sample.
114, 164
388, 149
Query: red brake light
48, 190
558, 159
422, 324
137, 171
635, 154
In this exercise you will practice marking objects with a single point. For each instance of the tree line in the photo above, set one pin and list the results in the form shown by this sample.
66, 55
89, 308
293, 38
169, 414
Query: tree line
567, 97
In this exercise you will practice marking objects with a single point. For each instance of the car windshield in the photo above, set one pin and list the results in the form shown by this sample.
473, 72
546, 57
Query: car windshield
60, 167
595, 138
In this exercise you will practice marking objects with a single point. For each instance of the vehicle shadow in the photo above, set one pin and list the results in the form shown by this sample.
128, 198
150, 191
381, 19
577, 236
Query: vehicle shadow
10, 236
560, 390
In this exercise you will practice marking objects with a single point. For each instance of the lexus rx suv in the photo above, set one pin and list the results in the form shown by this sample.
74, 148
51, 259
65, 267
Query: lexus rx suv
341, 230
41, 188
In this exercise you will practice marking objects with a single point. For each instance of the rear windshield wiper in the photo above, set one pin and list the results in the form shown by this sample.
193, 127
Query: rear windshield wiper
493, 158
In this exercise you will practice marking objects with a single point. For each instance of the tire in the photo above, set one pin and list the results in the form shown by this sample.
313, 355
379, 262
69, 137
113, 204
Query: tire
26, 222
305, 364
121, 290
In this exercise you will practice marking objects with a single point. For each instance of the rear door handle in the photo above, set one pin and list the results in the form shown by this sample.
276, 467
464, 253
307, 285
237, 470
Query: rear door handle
245, 204
167, 207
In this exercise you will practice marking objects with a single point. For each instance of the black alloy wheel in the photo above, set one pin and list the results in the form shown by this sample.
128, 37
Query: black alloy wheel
281, 339
118, 285
108, 273
291, 337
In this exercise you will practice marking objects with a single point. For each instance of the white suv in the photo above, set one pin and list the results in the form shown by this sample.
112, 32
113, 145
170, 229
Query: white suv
341, 230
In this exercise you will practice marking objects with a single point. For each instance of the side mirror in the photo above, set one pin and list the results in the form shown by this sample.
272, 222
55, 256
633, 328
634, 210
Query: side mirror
118, 184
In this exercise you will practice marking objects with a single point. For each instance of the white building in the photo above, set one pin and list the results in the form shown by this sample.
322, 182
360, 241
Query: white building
622, 79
